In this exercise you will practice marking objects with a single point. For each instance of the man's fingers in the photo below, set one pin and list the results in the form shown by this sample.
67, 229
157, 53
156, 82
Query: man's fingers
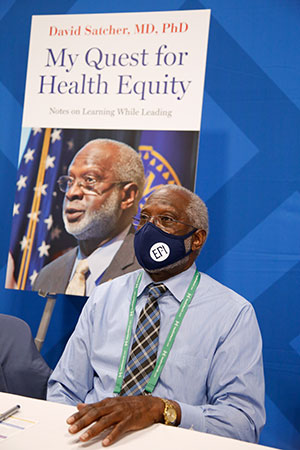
84, 417
101, 425
122, 414
77, 415
117, 432
81, 406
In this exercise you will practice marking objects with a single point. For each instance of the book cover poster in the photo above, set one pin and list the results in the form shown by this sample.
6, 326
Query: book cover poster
133, 78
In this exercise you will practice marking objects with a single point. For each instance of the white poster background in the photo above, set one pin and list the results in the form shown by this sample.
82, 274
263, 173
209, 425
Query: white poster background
126, 54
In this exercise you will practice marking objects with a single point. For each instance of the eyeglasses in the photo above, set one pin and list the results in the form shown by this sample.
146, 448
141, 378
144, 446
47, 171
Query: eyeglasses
88, 184
161, 221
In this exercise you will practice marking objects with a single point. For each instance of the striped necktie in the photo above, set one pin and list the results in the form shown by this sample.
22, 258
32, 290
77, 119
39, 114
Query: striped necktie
143, 352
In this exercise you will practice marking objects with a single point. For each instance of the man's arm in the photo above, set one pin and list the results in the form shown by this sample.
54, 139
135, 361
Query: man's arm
73, 376
235, 385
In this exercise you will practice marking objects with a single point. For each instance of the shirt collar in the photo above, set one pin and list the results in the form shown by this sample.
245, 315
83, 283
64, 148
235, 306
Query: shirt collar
177, 285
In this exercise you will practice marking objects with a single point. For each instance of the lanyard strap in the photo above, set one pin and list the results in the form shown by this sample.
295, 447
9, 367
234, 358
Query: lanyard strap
123, 360
169, 341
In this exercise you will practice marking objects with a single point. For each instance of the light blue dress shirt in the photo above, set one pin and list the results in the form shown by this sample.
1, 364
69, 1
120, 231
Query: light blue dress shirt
214, 370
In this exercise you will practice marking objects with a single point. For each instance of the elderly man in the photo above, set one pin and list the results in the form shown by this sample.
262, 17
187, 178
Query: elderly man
102, 189
189, 342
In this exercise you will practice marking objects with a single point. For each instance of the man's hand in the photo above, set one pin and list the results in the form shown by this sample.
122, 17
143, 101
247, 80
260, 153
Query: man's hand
123, 414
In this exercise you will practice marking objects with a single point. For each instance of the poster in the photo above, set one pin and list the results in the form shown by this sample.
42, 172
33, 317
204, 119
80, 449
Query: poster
135, 78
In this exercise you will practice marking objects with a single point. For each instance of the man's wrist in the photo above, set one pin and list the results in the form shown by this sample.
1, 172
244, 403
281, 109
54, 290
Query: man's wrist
171, 412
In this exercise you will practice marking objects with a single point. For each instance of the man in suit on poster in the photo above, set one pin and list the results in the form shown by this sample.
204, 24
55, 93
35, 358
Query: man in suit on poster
103, 187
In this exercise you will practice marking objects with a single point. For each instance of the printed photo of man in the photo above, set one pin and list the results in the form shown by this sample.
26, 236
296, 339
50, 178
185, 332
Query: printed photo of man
77, 191
102, 190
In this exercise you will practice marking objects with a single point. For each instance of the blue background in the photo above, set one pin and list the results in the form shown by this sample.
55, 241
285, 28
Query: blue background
248, 173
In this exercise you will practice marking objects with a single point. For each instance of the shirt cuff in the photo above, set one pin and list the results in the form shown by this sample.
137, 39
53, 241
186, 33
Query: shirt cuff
192, 417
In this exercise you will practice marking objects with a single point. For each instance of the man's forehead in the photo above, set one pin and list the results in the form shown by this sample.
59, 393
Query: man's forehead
167, 198
93, 154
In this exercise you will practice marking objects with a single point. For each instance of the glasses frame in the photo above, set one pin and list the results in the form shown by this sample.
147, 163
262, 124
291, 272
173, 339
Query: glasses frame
82, 185
137, 221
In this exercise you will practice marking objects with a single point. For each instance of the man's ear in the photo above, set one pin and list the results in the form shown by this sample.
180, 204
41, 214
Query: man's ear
199, 238
129, 193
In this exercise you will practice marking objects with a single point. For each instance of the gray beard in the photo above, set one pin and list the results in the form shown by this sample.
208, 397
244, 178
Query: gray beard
96, 224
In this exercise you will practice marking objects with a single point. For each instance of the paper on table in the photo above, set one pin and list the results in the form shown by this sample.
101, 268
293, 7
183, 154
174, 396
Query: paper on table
13, 425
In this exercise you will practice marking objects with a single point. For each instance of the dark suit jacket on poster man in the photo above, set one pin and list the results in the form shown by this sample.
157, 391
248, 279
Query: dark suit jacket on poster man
56, 275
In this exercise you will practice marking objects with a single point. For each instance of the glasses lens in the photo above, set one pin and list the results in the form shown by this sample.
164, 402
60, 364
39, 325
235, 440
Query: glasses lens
166, 222
135, 221
64, 183
144, 219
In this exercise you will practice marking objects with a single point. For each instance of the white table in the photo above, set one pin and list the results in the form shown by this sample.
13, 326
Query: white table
46, 429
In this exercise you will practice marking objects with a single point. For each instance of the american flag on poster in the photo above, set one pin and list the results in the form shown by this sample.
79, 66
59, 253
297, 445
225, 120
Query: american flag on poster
37, 226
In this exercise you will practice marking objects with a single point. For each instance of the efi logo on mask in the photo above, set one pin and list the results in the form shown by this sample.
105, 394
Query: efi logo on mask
159, 251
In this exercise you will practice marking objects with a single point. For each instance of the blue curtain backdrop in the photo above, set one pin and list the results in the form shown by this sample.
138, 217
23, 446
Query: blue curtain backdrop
248, 173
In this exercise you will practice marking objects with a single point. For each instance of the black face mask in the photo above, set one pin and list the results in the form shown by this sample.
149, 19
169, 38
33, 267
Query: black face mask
155, 248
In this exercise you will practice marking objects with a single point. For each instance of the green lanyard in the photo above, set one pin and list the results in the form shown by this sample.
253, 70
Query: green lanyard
169, 341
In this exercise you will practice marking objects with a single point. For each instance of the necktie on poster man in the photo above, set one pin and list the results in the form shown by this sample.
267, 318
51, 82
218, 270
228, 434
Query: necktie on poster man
133, 77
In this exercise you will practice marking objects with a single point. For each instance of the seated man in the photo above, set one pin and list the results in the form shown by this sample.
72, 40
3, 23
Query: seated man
189, 341
23, 371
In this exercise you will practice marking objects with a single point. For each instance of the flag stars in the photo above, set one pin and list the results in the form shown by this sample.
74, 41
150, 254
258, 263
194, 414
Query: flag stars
21, 183
55, 233
34, 216
49, 222
50, 161
32, 277
43, 249
55, 135
70, 145
24, 243
36, 131
41, 189
16, 209
29, 155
